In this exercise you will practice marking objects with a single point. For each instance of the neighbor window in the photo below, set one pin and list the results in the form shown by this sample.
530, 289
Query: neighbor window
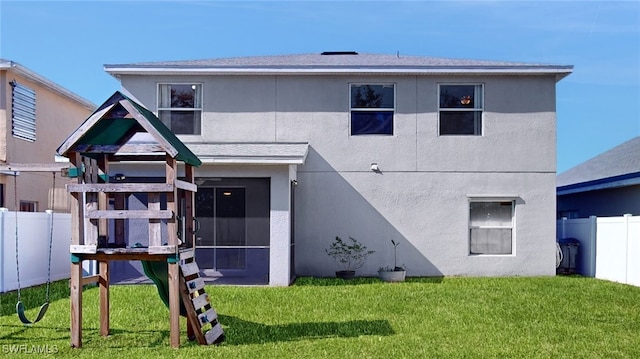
23, 112
180, 107
491, 227
372, 108
460, 109
28, 206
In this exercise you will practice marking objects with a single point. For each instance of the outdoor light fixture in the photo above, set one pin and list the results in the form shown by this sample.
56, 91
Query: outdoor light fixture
375, 168
120, 177
226, 193
294, 183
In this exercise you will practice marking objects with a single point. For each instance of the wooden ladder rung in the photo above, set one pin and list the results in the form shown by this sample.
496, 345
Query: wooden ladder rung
200, 301
207, 317
214, 333
187, 254
189, 269
195, 285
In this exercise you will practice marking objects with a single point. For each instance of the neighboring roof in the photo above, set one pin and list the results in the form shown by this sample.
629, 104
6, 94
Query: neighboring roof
251, 153
119, 127
32, 76
338, 63
619, 166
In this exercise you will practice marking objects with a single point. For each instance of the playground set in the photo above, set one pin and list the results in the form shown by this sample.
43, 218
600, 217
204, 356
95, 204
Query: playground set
122, 130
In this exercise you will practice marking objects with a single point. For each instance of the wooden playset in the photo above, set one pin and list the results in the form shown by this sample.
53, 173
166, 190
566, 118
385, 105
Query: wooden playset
121, 130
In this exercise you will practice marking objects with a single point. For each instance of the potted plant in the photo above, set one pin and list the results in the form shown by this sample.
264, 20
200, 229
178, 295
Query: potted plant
395, 274
349, 255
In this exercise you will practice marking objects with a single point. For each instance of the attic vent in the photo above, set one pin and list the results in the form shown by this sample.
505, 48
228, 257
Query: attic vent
339, 53
23, 114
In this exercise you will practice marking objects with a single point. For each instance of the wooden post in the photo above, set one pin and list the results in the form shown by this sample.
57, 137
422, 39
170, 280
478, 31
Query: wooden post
189, 207
155, 229
171, 173
104, 297
174, 269
91, 237
174, 304
103, 201
120, 203
77, 238
76, 304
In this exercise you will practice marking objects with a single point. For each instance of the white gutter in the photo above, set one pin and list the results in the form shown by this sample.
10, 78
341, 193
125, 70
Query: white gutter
252, 161
606, 185
559, 71
32, 76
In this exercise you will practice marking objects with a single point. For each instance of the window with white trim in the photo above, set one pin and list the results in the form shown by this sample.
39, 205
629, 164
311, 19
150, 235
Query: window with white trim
23, 112
460, 109
491, 227
372, 107
180, 107
28, 206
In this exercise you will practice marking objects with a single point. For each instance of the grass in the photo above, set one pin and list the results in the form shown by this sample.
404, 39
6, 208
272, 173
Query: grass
546, 317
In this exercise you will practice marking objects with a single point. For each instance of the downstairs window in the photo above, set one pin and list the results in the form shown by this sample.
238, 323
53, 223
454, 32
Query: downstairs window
491, 227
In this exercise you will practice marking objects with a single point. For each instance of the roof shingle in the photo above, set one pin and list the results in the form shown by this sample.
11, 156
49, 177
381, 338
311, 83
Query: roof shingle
621, 160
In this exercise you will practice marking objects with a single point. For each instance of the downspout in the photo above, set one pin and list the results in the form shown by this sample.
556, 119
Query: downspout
3, 211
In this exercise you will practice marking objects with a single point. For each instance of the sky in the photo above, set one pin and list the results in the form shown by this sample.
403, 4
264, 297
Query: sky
598, 105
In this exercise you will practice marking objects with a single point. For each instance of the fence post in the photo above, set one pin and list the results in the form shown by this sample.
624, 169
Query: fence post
593, 230
2, 259
627, 217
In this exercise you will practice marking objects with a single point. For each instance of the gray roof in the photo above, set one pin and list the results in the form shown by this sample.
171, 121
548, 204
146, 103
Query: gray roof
320, 63
619, 163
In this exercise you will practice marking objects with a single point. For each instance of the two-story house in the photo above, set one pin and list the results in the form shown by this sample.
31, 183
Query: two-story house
453, 159
36, 114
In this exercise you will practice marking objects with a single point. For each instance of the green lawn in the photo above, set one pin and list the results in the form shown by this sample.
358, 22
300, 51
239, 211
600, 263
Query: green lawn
550, 317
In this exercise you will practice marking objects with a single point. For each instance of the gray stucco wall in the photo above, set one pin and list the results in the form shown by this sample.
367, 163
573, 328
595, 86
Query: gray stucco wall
421, 197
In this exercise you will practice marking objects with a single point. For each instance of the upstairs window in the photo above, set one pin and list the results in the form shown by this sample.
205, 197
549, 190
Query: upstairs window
180, 107
23, 112
491, 227
372, 108
460, 110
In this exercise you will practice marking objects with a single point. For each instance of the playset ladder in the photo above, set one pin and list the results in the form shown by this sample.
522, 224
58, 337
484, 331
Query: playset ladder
201, 315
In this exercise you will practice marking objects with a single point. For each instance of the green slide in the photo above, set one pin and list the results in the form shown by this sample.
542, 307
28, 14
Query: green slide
158, 272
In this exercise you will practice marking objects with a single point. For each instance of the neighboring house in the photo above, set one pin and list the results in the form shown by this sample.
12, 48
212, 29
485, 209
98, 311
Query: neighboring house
453, 159
604, 186
36, 115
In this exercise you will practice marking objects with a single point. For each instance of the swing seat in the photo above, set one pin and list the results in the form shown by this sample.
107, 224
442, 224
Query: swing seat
23, 317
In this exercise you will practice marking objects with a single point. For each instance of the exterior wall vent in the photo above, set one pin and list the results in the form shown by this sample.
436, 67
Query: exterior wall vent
23, 112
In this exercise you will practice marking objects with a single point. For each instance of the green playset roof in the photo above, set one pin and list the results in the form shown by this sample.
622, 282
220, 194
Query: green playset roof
116, 128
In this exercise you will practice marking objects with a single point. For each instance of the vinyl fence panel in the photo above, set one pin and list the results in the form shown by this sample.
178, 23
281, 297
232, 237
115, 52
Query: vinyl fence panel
33, 248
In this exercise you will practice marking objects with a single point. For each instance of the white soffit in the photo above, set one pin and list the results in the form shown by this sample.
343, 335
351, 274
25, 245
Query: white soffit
250, 153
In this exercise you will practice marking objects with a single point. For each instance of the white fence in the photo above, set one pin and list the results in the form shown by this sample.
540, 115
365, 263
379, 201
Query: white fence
609, 246
33, 248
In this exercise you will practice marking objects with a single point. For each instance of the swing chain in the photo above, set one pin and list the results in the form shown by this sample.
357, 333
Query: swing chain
53, 207
15, 208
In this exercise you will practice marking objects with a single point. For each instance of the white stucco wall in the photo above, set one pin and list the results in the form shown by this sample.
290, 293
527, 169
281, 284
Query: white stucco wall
421, 196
